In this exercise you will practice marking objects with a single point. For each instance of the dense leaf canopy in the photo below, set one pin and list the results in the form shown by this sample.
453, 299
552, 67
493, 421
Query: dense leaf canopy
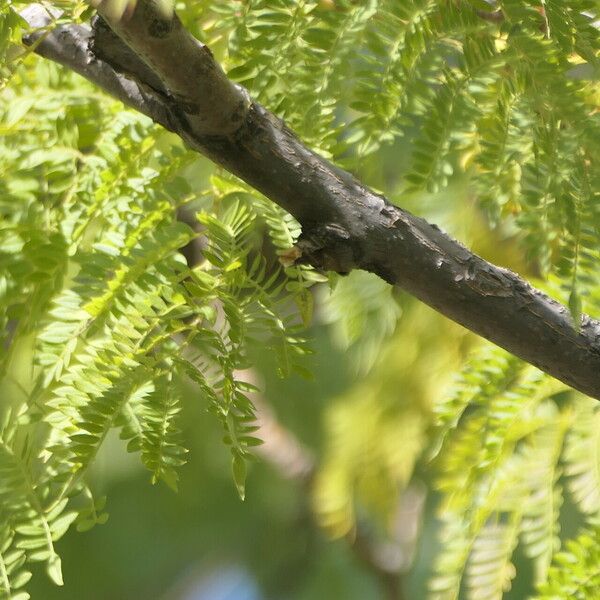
129, 265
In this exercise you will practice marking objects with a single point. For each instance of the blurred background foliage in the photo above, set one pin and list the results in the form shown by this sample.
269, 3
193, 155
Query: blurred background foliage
409, 473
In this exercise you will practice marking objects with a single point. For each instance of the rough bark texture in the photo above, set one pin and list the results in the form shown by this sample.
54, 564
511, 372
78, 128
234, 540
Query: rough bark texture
345, 225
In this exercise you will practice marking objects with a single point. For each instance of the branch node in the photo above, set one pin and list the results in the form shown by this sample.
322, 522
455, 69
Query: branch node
327, 247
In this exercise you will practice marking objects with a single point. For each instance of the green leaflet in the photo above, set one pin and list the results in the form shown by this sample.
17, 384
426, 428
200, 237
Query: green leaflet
574, 571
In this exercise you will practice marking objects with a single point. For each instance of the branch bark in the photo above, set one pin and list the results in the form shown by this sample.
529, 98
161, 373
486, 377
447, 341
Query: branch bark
345, 225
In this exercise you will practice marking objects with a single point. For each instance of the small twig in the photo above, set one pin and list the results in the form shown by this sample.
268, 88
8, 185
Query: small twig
280, 447
493, 17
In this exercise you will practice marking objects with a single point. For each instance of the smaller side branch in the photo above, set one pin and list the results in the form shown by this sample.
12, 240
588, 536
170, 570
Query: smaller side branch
280, 447
212, 104
496, 16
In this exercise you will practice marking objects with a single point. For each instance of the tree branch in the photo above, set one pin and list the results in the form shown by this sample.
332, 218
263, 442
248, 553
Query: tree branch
345, 225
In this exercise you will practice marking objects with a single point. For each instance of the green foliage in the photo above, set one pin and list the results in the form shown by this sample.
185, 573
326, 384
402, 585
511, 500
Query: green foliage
102, 317
505, 459
364, 313
98, 302
363, 467
575, 573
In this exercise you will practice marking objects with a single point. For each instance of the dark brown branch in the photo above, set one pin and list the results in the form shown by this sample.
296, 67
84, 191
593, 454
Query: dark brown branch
345, 225
68, 45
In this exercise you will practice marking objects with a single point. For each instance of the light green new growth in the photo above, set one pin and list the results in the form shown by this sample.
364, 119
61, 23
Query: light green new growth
98, 300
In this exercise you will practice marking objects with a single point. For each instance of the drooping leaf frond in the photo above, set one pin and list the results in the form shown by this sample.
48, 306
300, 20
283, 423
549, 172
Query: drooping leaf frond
574, 572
